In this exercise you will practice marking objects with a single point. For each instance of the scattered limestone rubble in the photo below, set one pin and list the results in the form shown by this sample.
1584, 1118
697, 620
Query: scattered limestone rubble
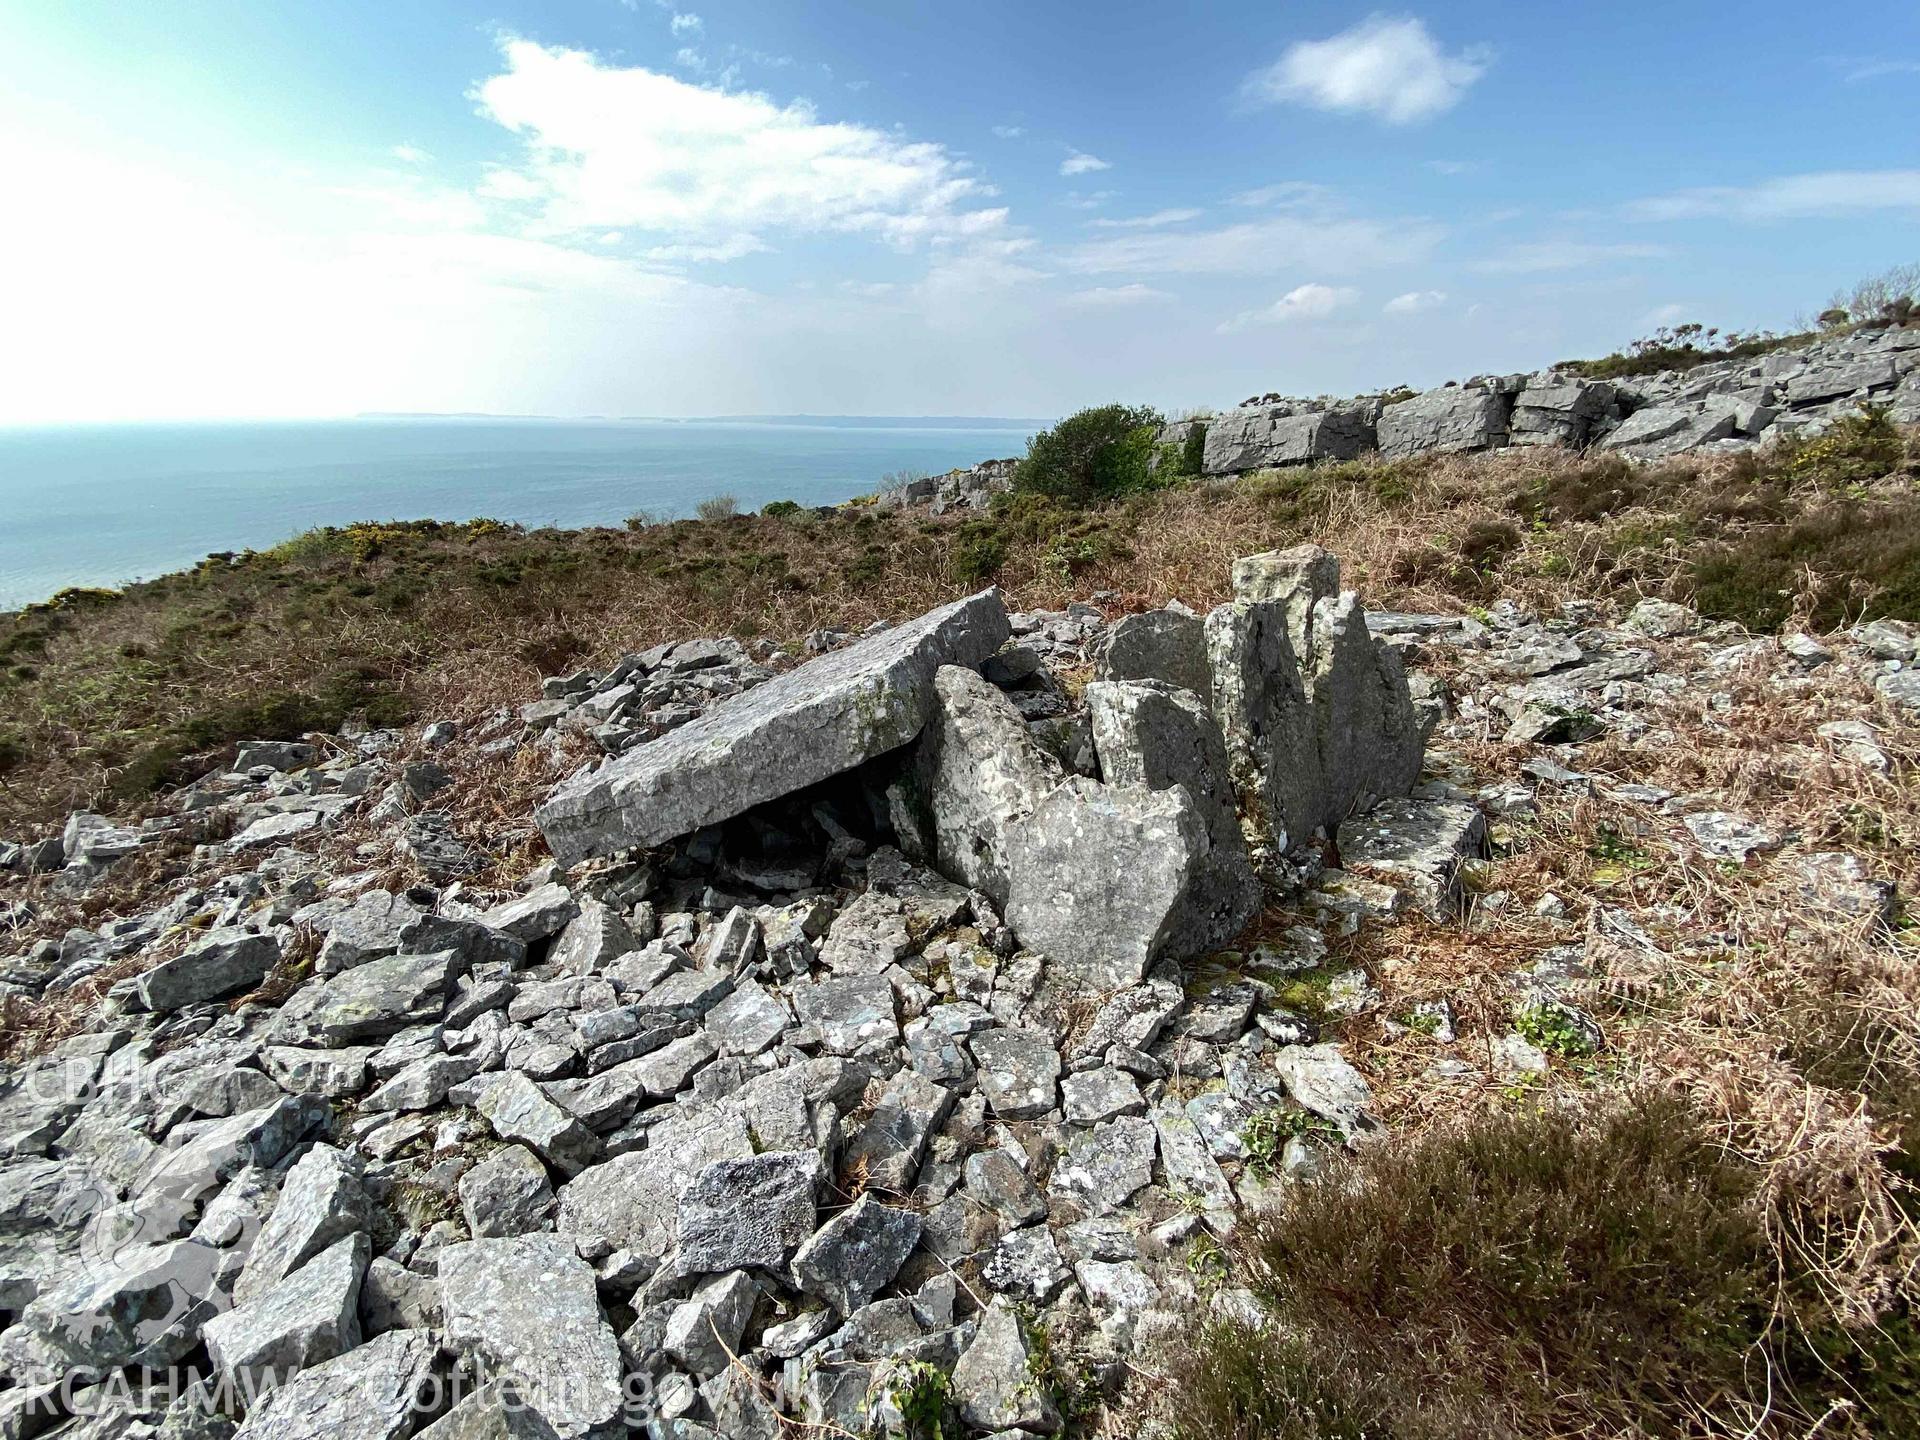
860, 1076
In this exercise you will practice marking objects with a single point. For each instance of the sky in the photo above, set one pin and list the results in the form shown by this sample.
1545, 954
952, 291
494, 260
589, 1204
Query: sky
709, 207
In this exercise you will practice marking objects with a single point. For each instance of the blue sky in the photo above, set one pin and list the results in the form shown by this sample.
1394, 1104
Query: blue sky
597, 207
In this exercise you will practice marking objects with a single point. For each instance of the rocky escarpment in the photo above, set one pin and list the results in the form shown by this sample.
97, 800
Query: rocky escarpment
1725, 405
891, 1049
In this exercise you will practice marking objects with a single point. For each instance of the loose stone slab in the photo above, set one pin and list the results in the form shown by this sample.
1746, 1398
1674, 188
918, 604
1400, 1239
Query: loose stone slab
371, 1393
529, 1307
853, 1256
754, 1211
800, 728
307, 1318
1019, 1071
226, 961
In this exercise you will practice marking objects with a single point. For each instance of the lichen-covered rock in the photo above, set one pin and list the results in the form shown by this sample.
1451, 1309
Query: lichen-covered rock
807, 725
1457, 417
994, 1383
754, 1211
224, 962
308, 1317
978, 774
373, 1392
528, 1307
322, 1201
1102, 876
506, 1194
1157, 735
1258, 436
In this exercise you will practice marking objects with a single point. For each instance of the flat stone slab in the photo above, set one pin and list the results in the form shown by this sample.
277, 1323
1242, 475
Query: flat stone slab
814, 722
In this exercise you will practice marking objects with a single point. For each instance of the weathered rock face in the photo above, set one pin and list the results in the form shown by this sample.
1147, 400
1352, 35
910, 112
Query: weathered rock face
1159, 736
1560, 411
978, 775
1167, 645
807, 725
1102, 876
1316, 713
1458, 417
1259, 436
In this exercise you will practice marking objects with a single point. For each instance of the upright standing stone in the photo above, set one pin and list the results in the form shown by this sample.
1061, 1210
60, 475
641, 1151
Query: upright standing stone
1157, 735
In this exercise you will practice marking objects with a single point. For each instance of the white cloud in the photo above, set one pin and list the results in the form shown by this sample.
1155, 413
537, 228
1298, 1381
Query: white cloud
1088, 199
1154, 221
1106, 297
1078, 162
1818, 195
611, 146
1858, 70
1291, 193
685, 24
1414, 301
1392, 68
1009, 132
411, 154
1542, 256
732, 247
1265, 246
1303, 302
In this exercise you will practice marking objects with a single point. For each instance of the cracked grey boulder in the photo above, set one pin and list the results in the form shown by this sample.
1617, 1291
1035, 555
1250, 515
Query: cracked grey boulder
368, 929
889, 1147
1092, 1096
309, 1317
517, 1109
632, 1201
754, 1211
1416, 845
539, 914
1255, 437
529, 1308
1316, 712
977, 774
1164, 645
703, 1332
144, 1308
857, 1253
506, 1194
1019, 1072
994, 1384
1560, 411
1443, 421
1026, 1264
1662, 430
370, 1001
593, 939
802, 727
225, 962
994, 1178
1159, 736
1102, 876
749, 1020
322, 1201
373, 1392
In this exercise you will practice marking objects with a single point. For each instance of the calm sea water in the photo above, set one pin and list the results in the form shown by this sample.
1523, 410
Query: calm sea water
103, 505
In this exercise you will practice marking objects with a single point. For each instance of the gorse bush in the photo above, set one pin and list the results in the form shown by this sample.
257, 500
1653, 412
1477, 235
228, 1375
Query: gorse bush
1098, 454
1680, 347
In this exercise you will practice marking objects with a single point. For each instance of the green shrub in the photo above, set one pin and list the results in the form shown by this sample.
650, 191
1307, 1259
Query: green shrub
1537, 1273
1843, 561
1680, 347
1854, 450
1096, 455
978, 552
776, 509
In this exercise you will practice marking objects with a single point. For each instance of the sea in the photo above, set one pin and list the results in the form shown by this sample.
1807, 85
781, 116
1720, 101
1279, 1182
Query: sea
108, 504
